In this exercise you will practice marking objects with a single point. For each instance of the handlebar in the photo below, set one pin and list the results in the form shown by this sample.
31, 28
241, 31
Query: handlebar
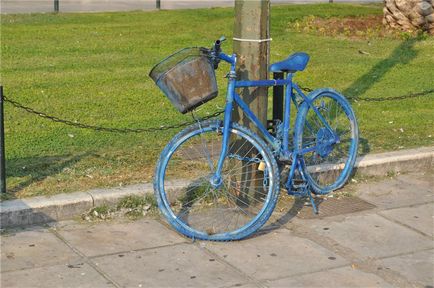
215, 51
218, 43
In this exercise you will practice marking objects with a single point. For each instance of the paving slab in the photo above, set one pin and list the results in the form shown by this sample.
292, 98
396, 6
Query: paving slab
276, 254
172, 266
340, 277
419, 217
33, 248
73, 275
109, 238
404, 190
371, 235
416, 267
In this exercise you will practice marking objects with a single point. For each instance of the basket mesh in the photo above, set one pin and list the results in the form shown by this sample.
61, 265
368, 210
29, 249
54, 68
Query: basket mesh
187, 78
178, 57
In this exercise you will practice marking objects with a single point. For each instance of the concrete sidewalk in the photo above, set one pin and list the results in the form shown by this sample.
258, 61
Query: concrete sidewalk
388, 245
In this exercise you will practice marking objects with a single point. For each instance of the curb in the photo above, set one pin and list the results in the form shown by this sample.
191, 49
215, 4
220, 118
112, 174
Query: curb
44, 209
403, 161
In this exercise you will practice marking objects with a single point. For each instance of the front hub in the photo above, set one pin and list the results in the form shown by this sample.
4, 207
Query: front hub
216, 181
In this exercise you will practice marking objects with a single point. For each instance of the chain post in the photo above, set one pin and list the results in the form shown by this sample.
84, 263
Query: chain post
2, 147
158, 4
56, 6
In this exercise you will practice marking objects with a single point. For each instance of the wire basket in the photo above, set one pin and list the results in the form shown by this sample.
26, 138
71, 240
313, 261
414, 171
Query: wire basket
187, 78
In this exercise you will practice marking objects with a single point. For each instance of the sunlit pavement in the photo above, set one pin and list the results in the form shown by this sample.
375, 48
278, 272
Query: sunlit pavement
388, 245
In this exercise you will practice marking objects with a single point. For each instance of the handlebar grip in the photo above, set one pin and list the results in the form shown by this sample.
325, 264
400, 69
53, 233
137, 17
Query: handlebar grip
217, 45
216, 51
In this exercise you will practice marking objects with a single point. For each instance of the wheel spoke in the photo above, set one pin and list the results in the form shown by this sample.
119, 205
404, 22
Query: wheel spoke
328, 153
216, 209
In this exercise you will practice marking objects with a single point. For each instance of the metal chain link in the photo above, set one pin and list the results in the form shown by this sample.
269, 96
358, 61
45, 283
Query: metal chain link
381, 99
108, 129
186, 123
393, 98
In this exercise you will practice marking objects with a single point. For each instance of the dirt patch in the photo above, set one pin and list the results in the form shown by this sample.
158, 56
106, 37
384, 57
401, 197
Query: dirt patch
350, 27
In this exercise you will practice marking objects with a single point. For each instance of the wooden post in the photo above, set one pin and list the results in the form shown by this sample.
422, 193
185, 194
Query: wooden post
251, 44
252, 23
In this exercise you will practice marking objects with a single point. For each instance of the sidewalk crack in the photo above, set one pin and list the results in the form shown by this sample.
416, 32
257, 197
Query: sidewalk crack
85, 259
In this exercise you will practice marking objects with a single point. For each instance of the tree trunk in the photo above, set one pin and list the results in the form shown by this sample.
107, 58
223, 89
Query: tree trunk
409, 15
252, 22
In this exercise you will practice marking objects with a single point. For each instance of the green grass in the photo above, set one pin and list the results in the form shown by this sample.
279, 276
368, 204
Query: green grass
93, 68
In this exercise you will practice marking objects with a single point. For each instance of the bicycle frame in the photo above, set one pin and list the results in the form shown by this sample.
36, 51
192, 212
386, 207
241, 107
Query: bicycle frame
282, 147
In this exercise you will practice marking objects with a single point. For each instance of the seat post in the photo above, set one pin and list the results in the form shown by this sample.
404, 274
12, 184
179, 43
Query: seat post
278, 98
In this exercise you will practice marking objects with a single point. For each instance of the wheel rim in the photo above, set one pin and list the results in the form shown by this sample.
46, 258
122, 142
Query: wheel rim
329, 163
207, 211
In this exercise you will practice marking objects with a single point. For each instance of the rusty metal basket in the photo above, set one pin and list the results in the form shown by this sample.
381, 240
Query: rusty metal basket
187, 78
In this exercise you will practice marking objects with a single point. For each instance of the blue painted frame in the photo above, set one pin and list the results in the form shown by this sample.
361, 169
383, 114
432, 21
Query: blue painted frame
277, 147
282, 147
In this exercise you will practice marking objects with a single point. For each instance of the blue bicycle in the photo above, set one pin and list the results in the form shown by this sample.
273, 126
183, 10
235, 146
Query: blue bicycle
218, 180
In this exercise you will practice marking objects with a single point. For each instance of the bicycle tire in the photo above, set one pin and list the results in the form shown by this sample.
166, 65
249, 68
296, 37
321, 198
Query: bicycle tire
193, 223
327, 168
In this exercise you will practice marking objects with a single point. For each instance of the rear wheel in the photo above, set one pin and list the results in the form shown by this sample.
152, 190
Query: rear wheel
328, 160
235, 208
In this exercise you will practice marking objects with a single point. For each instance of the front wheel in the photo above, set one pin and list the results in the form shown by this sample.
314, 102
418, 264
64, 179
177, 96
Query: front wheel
328, 155
202, 207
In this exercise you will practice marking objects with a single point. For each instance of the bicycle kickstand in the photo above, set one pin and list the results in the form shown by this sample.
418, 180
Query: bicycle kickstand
302, 189
309, 192
312, 201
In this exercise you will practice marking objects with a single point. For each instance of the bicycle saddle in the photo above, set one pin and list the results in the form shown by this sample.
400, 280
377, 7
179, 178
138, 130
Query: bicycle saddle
295, 62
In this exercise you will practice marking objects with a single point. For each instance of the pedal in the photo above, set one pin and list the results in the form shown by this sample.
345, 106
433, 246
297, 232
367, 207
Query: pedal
302, 190
299, 188
285, 161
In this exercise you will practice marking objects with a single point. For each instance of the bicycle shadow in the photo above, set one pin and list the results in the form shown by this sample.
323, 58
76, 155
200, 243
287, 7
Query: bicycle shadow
403, 54
278, 221
36, 169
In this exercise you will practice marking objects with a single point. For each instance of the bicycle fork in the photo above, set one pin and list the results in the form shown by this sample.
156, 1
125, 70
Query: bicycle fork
216, 179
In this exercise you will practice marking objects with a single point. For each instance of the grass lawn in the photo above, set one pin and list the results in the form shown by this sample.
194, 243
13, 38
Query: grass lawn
93, 68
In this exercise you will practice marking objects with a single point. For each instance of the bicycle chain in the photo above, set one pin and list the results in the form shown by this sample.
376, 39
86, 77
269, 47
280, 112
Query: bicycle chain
186, 123
247, 159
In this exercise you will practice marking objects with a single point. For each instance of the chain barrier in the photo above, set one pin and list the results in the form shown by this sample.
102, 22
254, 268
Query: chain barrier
381, 99
108, 129
186, 123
